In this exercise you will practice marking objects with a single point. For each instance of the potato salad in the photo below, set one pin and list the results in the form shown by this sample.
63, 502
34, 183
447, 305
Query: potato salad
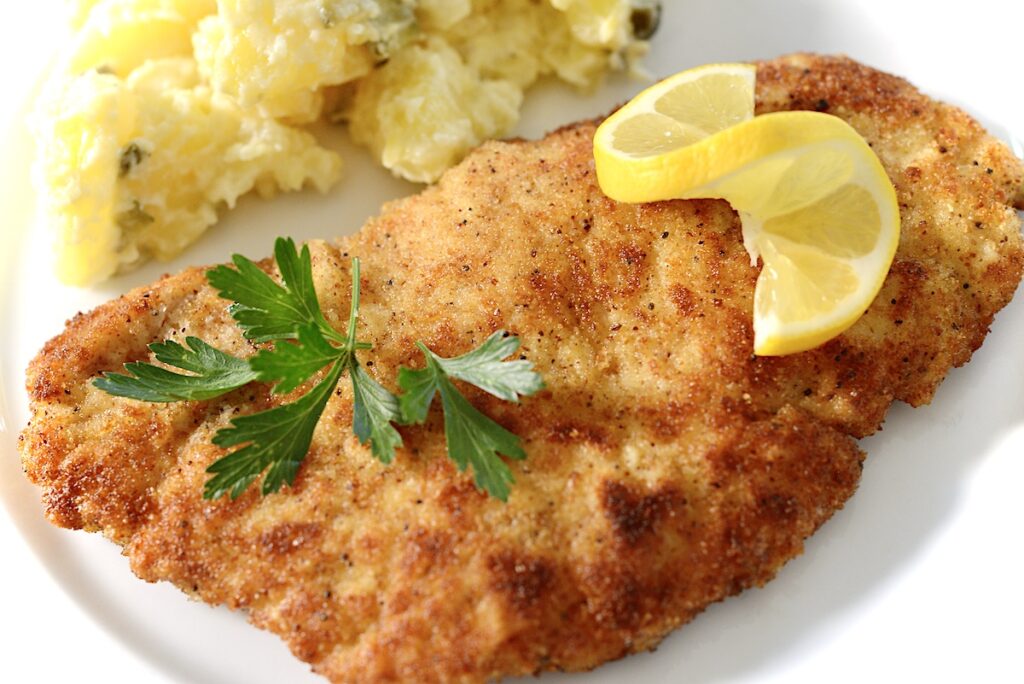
162, 113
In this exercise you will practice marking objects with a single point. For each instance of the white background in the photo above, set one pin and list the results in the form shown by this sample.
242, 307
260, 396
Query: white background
918, 579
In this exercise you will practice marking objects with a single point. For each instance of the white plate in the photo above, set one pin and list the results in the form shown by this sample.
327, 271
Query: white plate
917, 579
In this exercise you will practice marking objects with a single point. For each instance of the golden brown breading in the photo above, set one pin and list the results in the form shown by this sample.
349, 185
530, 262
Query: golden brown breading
667, 468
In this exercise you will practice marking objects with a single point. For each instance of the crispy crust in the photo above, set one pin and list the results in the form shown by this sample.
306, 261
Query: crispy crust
667, 467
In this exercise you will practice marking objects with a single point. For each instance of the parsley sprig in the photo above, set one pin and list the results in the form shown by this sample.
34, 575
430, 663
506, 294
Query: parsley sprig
273, 443
277, 440
472, 437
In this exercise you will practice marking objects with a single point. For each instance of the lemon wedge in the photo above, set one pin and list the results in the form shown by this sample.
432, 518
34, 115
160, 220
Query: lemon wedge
816, 205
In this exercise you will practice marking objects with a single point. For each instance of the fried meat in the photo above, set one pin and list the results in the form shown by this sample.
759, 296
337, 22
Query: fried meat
668, 468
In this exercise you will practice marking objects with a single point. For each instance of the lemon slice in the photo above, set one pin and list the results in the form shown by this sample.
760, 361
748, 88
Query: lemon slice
647, 134
816, 206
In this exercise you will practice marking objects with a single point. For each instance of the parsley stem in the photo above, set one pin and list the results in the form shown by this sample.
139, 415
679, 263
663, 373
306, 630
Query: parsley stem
354, 307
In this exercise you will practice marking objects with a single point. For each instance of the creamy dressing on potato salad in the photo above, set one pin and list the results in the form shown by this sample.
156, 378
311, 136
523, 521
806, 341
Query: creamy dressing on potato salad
162, 112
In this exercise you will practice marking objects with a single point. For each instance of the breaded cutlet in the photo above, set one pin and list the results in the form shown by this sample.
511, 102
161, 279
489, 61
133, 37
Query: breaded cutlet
667, 469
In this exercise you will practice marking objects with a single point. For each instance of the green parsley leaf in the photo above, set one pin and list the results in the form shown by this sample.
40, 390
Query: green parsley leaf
418, 390
276, 441
373, 410
484, 368
472, 438
266, 310
216, 373
475, 439
290, 364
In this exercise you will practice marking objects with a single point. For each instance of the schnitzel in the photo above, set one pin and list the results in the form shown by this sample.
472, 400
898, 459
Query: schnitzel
668, 468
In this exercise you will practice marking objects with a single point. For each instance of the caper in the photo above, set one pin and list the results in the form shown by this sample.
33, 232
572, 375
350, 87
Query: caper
645, 17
